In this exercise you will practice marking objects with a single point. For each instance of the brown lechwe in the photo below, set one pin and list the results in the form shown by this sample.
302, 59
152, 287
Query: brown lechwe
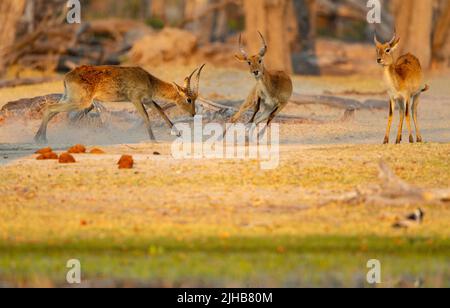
272, 91
404, 79
89, 84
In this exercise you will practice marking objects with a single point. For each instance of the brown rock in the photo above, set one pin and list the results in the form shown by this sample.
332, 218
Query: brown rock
47, 156
77, 149
126, 162
66, 158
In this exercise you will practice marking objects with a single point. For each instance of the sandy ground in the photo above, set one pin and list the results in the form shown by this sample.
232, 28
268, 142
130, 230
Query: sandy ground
324, 145
368, 127
187, 198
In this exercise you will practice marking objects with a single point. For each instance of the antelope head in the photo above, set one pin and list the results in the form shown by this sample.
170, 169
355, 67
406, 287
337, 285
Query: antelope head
188, 94
385, 51
255, 62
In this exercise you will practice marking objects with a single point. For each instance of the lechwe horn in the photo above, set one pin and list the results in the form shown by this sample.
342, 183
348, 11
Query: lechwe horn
263, 50
375, 39
187, 81
394, 38
197, 83
241, 47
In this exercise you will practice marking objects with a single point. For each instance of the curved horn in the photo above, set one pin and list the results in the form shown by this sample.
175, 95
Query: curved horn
394, 38
241, 47
375, 39
197, 84
263, 50
187, 80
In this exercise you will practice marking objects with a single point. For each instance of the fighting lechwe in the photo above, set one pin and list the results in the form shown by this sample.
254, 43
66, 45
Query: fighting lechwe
404, 79
272, 91
87, 85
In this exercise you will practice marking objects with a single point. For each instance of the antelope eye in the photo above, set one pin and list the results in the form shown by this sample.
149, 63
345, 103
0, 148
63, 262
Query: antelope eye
249, 63
260, 61
388, 50
189, 101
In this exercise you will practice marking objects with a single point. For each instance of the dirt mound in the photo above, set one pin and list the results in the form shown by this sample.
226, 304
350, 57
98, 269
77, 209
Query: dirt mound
48, 156
77, 149
66, 158
97, 151
44, 151
126, 162
168, 45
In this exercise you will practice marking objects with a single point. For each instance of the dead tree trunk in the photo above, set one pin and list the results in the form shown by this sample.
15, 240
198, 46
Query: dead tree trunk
158, 9
145, 9
10, 13
306, 11
414, 23
202, 24
305, 59
269, 17
441, 40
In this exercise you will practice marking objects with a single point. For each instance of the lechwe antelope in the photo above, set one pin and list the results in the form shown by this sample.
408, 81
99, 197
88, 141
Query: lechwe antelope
89, 84
403, 78
272, 91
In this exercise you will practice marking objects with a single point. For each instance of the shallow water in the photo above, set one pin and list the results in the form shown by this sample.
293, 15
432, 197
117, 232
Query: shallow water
13, 151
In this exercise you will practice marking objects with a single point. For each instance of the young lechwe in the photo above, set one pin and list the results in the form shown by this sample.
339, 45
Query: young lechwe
404, 79
89, 84
272, 91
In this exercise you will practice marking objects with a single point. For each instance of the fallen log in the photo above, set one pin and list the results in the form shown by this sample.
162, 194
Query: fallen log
31, 106
219, 111
350, 106
392, 191
337, 102
26, 81
225, 112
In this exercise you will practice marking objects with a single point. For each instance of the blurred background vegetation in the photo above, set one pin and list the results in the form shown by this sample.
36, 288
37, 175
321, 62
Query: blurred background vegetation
304, 36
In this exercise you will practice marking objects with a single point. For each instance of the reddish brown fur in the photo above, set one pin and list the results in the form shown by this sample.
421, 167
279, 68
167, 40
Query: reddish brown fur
89, 84
272, 90
404, 79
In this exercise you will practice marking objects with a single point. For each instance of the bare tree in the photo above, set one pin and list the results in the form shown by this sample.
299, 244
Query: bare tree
305, 60
441, 40
306, 11
269, 17
414, 23
11, 12
145, 9
158, 9
201, 24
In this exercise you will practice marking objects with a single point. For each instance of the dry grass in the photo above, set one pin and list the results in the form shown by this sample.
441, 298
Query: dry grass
165, 202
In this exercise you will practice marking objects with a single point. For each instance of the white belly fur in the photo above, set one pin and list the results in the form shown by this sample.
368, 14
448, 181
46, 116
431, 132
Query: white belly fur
266, 99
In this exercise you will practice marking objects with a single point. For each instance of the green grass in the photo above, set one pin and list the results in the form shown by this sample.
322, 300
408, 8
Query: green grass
247, 262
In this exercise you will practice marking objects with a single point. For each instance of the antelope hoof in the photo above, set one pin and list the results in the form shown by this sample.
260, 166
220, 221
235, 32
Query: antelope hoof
398, 141
411, 139
419, 139
386, 140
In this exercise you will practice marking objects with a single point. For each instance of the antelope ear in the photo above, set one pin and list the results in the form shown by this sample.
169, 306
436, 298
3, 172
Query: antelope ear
394, 45
240, 58
180, 89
